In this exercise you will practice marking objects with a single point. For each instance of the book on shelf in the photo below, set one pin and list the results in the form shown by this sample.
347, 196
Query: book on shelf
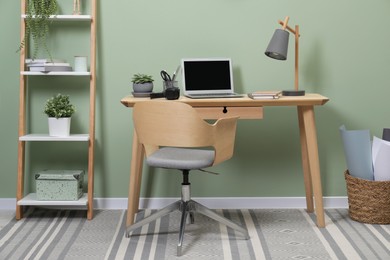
43, 61
49, 68
265, 94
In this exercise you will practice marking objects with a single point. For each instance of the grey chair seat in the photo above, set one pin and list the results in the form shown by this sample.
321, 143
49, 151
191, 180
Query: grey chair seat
181, 158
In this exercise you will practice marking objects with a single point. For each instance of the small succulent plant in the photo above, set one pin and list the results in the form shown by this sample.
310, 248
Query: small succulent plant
141, 78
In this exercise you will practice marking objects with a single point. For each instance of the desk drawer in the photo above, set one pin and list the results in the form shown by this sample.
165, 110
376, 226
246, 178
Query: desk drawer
219, 112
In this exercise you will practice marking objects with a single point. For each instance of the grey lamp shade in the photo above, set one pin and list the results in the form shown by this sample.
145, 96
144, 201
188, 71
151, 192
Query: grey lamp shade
278, 46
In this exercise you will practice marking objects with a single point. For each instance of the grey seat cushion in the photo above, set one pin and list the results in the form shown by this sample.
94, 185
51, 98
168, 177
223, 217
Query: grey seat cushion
181, 158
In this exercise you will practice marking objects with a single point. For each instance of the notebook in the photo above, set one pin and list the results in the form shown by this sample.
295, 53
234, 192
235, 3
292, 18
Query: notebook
208, 78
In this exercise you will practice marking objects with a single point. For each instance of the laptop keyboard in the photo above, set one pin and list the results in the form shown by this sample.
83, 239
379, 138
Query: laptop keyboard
216, 95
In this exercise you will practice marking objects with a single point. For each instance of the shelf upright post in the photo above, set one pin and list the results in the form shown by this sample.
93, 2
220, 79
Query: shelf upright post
22, 117
92, 95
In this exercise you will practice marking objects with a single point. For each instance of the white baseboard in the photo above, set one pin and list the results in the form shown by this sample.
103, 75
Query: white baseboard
214, 203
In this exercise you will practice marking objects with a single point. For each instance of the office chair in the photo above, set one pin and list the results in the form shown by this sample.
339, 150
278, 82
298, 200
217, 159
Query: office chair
173, 135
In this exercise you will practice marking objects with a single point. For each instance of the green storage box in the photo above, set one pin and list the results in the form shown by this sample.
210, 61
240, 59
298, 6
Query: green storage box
59, 184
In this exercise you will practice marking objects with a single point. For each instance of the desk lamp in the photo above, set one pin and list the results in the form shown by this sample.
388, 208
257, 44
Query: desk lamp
277, 49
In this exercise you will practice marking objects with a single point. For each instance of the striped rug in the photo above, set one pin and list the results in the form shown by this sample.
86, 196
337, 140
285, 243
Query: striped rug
275, 234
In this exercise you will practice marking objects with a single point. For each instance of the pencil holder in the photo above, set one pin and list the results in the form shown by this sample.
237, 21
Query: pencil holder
169, 84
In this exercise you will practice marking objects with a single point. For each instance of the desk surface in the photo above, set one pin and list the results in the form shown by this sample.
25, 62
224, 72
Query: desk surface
309, 99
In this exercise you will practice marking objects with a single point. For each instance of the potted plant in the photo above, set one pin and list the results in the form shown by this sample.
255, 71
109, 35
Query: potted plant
59, 110
142, 83
37, 21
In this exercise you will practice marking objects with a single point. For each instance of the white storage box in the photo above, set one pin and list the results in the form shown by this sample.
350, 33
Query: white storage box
59, 184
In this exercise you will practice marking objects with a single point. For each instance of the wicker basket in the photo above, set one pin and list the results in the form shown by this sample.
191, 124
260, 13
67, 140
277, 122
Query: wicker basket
369, 201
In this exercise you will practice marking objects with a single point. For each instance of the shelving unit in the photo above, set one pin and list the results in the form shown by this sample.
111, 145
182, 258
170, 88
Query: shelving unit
22, 199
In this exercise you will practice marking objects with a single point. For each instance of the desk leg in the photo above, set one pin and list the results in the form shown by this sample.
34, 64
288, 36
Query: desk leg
135, 179
305, 163
310, 158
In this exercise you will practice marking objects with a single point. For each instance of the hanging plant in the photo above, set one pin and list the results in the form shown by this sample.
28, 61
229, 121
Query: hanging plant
37, 21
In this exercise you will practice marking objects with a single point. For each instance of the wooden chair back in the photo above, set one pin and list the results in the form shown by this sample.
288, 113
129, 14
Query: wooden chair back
172, 123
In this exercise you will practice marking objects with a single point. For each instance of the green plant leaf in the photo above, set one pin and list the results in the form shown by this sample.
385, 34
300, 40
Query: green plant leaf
141, 78
59, 106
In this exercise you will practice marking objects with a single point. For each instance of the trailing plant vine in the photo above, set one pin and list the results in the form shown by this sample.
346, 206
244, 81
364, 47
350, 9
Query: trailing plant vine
37, 21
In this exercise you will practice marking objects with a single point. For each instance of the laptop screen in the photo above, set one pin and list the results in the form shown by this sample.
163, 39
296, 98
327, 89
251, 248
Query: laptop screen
207, 76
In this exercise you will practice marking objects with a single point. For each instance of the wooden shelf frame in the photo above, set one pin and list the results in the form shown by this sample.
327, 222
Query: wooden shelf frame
29, 199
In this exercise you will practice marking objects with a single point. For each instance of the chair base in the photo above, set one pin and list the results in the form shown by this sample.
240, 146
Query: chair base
187, 207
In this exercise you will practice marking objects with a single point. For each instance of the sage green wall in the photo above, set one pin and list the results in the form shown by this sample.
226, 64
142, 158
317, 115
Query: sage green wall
344, 55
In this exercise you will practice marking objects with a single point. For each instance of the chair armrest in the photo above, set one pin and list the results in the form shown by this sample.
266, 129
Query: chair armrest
224, 136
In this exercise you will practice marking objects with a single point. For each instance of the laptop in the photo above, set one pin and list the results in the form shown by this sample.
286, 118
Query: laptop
208, 78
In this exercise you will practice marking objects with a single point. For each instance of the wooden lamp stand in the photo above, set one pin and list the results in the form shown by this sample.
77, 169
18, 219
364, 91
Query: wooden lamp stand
296, 91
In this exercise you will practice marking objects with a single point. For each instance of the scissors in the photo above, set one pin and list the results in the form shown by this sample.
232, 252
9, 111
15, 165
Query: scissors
165, 76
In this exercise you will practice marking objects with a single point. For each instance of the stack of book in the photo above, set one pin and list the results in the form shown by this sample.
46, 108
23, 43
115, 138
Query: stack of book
47, 65
265, 94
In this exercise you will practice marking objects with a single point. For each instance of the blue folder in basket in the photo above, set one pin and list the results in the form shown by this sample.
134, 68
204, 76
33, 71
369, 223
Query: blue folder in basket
358, 152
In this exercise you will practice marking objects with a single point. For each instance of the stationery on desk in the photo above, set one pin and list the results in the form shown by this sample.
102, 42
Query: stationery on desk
265, 94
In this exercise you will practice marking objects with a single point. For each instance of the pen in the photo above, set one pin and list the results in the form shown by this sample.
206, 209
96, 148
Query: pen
175, 73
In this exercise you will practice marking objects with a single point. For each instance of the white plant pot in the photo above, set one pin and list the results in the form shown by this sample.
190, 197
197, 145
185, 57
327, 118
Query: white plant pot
59, 126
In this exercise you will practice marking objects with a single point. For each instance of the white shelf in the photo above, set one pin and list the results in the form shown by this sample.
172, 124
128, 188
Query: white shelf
46, 137
31, 200
67, 17
55, 73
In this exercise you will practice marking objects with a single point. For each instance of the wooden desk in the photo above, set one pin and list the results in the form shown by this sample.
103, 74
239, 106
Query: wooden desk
246, 108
